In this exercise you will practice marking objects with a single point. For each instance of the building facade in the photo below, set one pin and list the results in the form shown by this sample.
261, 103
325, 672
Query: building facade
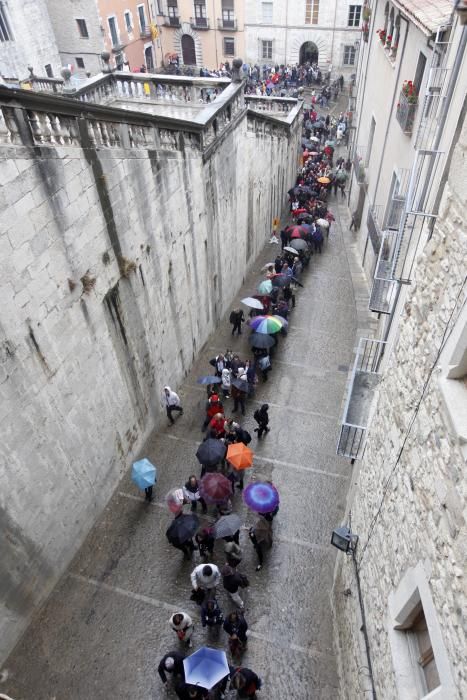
47, 35
297, 31
399, 599
131, 34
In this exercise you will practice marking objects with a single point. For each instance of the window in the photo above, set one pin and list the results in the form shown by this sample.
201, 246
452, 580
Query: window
172, 8
355, 12
311, 11
200, 10
79, 62
48, 71
228, 15
113, 29
83, 30
349, 55
142, 18
420, 642
420, 70
229, 46
266, 12
128, 21
160, 10
5, 30
370, 140
453, 381
266, 51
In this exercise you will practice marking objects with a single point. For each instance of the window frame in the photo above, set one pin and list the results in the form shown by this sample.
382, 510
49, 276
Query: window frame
270, 5
263, 42
349, 50
311, 12
129, 26
113, 18
352, 20
81, 27
228, 39
49, 70
146, 25
6, 32
78, 58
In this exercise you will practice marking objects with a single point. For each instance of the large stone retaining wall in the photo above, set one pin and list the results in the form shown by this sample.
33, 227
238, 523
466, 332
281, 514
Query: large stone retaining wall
118, 255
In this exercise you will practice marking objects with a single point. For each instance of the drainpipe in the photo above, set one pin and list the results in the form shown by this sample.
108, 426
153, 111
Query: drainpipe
215, 32
333, 32
286, 29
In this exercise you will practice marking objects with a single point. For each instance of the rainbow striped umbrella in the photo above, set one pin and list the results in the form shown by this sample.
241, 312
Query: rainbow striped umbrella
266, 324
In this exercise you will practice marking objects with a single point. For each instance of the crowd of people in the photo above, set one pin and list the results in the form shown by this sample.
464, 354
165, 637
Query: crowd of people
230, 386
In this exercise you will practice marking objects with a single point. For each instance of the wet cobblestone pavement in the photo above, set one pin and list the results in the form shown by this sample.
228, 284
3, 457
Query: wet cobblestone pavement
105, 627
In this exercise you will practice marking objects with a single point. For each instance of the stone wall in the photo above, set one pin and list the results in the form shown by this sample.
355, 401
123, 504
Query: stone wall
420, 524
119, 252
63, 15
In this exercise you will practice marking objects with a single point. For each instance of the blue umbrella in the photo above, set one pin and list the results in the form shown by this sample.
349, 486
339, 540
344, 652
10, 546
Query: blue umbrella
210, 379
144, 474
206, 667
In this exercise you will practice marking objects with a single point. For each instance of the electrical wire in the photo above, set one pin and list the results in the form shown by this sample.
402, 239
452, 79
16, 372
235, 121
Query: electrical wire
444, 340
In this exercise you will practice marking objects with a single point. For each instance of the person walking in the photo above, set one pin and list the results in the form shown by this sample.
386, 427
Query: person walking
261, 416
233, 553
205, 540
211, 614
213, 406
237, 628
261, 537
245, 682
226, 383
239, 399
172, 663
232, 580
236, 319
206, 578
217, 426
171, 401
191, 493
183, 625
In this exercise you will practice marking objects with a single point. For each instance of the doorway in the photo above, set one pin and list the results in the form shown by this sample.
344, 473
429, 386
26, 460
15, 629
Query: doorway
308, 53
188, 50
149, 59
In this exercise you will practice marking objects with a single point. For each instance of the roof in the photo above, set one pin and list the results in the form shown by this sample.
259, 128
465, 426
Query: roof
428, 15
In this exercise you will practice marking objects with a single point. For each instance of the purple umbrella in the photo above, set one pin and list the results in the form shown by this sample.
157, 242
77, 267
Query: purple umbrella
261, 496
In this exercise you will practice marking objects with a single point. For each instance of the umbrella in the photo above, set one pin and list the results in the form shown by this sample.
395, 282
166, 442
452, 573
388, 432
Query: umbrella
269, 264
227, 526
330, 216
239, 456
210, 379
284, 321
299, 244
314, 138
323, 223
206, 667
314, 153
302, 189
280, 281
210, 452
215, 488
143, 474
182, 528
261, 341
261, 496
263, 531
290, 250
175, 500
265, 287
296, 232
265, 324
240, 384
252, 303
324, 180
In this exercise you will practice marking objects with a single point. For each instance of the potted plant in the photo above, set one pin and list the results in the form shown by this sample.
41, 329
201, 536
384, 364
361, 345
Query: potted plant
388, 41
409, 91
382, 35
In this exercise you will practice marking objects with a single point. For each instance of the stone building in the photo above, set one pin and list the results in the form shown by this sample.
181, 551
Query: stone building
286, 32
113, 221
49, 34
400, 598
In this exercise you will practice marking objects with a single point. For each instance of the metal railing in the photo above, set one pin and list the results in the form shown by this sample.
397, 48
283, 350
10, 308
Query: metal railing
171, 21
363, 381
227, 24
374, 222
383, 291
406, 111
199, 22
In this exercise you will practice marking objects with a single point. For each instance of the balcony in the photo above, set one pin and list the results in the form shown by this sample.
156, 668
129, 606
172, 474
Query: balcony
406, 111
228, 25
383, 291
199, 22
374, 225
364, 380
117, 47
171, 21
145, 33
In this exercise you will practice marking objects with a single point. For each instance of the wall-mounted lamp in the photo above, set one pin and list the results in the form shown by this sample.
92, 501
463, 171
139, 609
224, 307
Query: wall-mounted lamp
343, 539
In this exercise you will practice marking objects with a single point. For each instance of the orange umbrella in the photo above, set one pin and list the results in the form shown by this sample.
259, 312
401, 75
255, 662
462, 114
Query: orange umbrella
324, 180
239, 455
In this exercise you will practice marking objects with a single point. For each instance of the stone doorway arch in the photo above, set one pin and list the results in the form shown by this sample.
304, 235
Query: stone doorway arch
309, 53
188, 50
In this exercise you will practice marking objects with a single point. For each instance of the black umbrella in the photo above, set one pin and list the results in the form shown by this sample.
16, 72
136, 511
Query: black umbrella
211, 451
240, 384
261, 340
182, 529
280, 281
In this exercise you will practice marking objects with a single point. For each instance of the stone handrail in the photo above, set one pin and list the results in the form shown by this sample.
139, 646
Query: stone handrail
175, 89
272, 105
43, 84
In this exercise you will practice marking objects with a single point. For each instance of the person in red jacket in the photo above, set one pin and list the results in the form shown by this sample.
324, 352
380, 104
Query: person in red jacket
213, 406
217, 426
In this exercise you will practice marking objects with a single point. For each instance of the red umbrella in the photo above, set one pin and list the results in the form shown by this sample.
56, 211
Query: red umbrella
215, 488
296, 232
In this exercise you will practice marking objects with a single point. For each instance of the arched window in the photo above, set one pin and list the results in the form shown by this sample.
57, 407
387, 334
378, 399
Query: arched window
188, 50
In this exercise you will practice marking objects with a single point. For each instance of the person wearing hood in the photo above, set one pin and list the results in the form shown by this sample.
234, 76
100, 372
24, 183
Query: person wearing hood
262, 418
183, 625
206, 577
217, 426
172, 663
232, 580
213, 406
238, 395
171, 402
225, 377
245, 682
237, 628
211, 614
236, 319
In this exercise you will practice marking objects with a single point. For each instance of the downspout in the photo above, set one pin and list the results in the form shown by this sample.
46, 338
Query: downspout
286, 30
333, 32
215, 32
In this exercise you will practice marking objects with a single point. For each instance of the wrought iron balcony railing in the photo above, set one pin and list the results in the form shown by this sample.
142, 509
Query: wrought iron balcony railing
199, 22
406, 111
171, 21
227, 24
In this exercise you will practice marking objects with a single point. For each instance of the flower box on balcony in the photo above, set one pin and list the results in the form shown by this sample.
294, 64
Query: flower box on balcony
406, 110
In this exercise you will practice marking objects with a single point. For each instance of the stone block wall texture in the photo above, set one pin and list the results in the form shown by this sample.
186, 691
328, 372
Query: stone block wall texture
115, 266
423, 515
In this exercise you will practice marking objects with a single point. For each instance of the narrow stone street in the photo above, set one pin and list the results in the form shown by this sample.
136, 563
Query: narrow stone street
105, 627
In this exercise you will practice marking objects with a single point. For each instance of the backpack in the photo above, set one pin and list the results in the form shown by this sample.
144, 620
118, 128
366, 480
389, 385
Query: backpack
257, 416
244, 436
232, 317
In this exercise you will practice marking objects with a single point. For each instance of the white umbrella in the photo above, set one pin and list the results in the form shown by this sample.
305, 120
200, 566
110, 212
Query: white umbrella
314, 138
323, 223
252, 303
290, 250
265, 267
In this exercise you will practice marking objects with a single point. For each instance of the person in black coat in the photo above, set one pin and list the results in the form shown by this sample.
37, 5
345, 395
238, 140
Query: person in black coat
236, 627
261, 416
171, 663
211, 614
245, 682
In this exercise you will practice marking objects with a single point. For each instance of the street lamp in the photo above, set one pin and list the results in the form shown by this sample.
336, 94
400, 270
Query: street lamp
343, 539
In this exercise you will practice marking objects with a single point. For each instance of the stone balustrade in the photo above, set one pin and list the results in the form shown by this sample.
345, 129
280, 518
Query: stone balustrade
271, 105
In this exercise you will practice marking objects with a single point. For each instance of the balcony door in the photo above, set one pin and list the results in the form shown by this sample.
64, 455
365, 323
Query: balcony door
188, 50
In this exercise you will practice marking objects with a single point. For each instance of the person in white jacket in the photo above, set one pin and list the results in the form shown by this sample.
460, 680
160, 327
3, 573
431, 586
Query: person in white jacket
171, 401
206, 577
183, 625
